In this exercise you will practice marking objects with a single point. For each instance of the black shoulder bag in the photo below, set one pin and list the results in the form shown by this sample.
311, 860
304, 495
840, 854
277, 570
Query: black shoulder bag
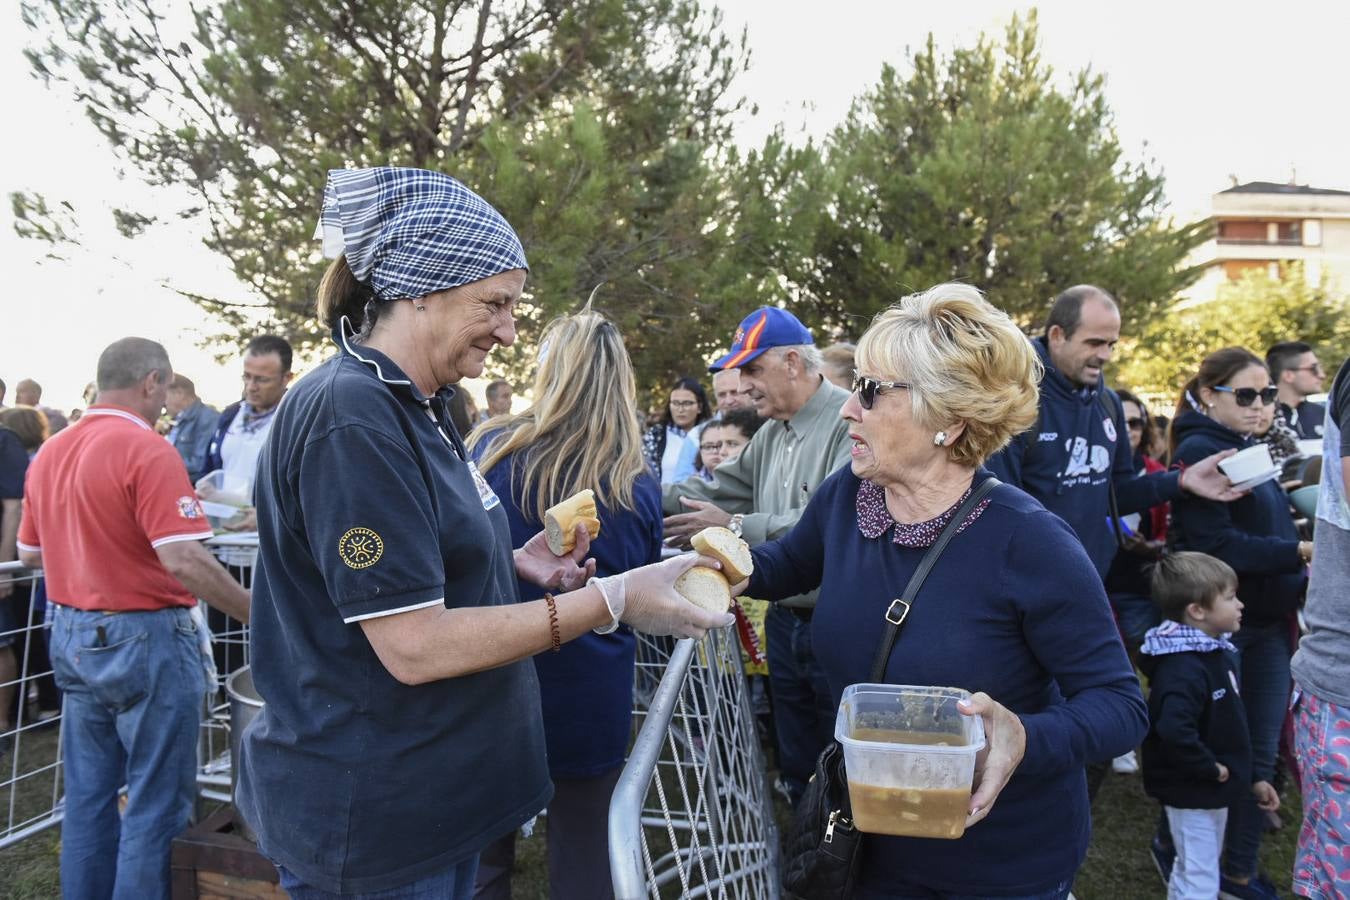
820, 856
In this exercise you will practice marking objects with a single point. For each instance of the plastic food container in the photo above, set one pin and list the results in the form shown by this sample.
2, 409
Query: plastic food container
220, 489
910, 758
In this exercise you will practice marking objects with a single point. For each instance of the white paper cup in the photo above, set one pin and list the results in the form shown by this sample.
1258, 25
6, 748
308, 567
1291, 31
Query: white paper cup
1248, 463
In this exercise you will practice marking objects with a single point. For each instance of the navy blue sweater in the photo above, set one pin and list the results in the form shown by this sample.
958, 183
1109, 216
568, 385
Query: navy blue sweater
1014, 608
1196, 720
586, 688
1078, 447
1255, 535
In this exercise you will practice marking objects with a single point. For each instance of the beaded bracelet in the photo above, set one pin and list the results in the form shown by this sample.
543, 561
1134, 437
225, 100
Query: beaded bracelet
553, 629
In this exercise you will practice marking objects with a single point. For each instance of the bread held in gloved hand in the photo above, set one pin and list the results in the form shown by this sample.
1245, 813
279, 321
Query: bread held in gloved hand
561, 518
705, 588
646, 599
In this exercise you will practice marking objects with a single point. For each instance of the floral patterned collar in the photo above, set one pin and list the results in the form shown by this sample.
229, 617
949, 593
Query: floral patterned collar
874, 519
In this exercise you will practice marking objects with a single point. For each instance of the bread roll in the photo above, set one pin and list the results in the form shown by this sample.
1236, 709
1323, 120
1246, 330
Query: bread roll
723, 546
560, 521
706, 588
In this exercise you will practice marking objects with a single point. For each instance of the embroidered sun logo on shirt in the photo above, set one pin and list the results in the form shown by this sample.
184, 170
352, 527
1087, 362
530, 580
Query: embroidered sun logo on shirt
360, 548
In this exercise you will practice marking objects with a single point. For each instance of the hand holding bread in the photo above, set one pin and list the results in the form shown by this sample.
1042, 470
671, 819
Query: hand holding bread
561, 519
646, 599
708, 588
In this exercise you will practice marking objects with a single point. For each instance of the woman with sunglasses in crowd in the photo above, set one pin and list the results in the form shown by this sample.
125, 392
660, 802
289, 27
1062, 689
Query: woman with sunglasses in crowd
1220, 409
1013, 611
1127, 581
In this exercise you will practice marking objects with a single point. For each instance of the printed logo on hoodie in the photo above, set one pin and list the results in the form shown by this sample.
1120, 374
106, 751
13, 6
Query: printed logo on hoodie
1084, 461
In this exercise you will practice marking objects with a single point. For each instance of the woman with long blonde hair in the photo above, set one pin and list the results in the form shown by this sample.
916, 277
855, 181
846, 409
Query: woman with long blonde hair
580, 432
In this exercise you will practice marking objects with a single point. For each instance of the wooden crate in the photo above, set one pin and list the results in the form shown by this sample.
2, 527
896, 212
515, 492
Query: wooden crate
212, 862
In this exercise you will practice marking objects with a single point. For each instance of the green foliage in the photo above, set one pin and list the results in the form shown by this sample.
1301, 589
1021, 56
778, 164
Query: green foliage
601, 130
594, 126
36, 219
1254, 312
976, 167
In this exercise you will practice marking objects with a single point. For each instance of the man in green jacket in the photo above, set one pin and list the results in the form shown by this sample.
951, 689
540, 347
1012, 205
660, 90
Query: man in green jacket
761, 494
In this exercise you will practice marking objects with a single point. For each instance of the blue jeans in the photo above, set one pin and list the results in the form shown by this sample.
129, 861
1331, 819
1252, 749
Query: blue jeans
914, 892
134, 689
1265, 682
453, 884
803, 711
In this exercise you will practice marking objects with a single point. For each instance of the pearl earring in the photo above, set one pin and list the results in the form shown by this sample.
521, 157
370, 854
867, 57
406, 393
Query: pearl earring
940, 439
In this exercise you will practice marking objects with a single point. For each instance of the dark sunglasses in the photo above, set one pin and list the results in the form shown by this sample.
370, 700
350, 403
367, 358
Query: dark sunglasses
868, 388
1247, 396
1134, 423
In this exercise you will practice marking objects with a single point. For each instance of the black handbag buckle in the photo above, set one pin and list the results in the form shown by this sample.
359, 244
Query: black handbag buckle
897, 612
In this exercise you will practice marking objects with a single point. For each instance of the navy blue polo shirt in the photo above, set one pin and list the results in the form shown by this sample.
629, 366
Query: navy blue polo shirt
367, 507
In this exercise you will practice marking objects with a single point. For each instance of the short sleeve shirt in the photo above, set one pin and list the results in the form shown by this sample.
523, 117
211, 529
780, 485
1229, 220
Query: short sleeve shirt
367, 506
100, 497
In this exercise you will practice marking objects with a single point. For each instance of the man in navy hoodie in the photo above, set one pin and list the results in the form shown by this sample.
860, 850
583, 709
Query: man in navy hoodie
1079, 448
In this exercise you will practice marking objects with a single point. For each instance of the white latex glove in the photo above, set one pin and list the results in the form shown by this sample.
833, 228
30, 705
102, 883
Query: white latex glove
645, 599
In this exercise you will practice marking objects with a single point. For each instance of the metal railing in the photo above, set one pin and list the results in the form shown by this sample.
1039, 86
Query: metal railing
229, 642
30, 745
31, 764
691, 815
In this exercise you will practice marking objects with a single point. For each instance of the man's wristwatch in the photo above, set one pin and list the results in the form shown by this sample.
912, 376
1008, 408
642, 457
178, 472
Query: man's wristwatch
734, 526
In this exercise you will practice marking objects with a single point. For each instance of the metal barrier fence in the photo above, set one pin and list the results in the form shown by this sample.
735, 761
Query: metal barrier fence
30, 745
691, 815
229, 643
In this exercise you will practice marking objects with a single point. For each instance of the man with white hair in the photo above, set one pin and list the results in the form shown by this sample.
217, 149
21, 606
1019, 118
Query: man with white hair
760, 495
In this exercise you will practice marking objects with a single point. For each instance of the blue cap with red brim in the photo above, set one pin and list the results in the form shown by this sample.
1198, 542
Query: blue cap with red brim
764, 328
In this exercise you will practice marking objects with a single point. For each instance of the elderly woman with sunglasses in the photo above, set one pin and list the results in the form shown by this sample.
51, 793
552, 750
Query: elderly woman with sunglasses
1220, 409
1013, 611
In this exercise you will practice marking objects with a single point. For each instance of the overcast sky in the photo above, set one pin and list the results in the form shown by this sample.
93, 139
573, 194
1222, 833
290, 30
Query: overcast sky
1209, 90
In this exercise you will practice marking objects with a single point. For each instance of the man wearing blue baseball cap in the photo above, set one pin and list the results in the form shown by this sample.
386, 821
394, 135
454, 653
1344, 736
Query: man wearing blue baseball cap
761, 494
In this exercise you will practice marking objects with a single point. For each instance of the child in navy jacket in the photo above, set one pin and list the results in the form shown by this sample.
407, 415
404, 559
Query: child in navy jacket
1197, 756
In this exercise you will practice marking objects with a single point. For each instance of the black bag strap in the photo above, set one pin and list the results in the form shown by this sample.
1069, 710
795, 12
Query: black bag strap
898, 612
1110, 473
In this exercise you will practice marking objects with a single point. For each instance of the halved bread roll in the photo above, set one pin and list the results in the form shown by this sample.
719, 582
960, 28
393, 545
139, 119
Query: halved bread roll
560, 521
706, 588
723, 546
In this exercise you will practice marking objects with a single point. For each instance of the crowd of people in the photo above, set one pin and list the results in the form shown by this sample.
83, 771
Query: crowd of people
435, 676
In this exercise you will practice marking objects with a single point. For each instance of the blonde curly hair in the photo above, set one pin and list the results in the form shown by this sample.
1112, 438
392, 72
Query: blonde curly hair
965, 361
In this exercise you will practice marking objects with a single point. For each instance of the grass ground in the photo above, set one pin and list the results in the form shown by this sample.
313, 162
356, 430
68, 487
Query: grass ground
1118, 864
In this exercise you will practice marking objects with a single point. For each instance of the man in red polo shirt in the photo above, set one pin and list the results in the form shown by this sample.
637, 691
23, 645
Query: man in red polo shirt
110, 515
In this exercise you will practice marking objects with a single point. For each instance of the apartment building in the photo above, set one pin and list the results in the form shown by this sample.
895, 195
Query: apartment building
1261, 224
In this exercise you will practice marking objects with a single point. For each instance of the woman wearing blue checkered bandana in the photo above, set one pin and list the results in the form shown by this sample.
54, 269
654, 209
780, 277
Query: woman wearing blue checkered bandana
402, 731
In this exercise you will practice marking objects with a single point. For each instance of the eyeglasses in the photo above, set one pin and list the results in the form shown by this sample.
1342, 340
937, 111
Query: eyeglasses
715, 446
1134, 423
868, 388
683, 404
1247, 396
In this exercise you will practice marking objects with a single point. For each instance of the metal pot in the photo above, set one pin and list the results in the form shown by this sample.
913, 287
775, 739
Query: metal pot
245, 704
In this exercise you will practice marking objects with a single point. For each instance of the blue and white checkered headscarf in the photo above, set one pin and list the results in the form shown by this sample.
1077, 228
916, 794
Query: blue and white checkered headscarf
410, 232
